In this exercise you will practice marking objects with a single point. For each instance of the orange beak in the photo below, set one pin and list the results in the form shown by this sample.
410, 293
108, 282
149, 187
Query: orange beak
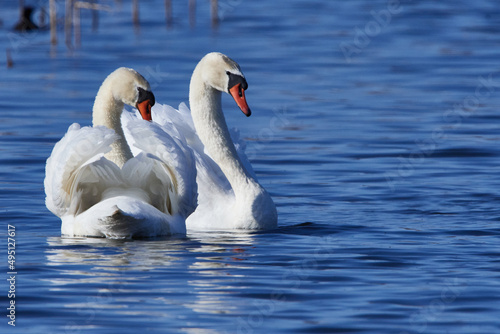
145, 109
238, 95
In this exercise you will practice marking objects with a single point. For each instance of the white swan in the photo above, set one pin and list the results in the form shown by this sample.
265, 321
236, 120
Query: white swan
229, 195
100, 189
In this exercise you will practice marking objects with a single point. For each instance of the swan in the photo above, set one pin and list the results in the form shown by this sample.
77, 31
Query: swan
229, 195
99, 188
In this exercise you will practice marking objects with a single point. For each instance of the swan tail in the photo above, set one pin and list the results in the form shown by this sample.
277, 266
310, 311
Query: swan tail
122, 217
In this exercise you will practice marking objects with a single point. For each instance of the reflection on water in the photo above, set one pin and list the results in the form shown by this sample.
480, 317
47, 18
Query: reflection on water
126, 271
109, 254
217, 259
392, 158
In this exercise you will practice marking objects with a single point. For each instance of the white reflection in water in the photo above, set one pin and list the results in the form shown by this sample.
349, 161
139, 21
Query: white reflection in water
216, 260
199, 273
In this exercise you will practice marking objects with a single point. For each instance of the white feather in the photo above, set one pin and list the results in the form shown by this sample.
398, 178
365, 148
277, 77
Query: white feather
99, 189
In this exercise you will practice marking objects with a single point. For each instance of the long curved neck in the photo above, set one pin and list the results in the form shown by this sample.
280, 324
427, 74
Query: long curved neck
211, 127
107, 111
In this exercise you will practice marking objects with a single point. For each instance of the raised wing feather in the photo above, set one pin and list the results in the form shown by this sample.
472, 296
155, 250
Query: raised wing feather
210, 178
148, 173
75, 169
173, 139
170, 156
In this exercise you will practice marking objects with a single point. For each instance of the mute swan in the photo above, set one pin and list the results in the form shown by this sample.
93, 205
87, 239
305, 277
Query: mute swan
100, 189
229, 195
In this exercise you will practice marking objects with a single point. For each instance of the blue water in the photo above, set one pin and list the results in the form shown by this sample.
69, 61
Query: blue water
375, 128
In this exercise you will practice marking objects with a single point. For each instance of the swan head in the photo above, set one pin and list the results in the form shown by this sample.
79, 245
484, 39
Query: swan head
224, 74
129, 87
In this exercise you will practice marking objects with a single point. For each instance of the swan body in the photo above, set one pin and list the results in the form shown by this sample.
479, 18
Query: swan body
100, 189
229, 195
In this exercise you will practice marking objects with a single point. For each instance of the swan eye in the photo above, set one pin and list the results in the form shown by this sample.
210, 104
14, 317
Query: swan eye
145, 95
235, 79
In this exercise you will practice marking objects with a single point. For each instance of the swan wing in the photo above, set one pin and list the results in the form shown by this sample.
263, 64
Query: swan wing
172, 165
77, 173
150, 174
179, 123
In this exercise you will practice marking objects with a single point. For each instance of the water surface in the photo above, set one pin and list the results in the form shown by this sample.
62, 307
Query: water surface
383, 162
